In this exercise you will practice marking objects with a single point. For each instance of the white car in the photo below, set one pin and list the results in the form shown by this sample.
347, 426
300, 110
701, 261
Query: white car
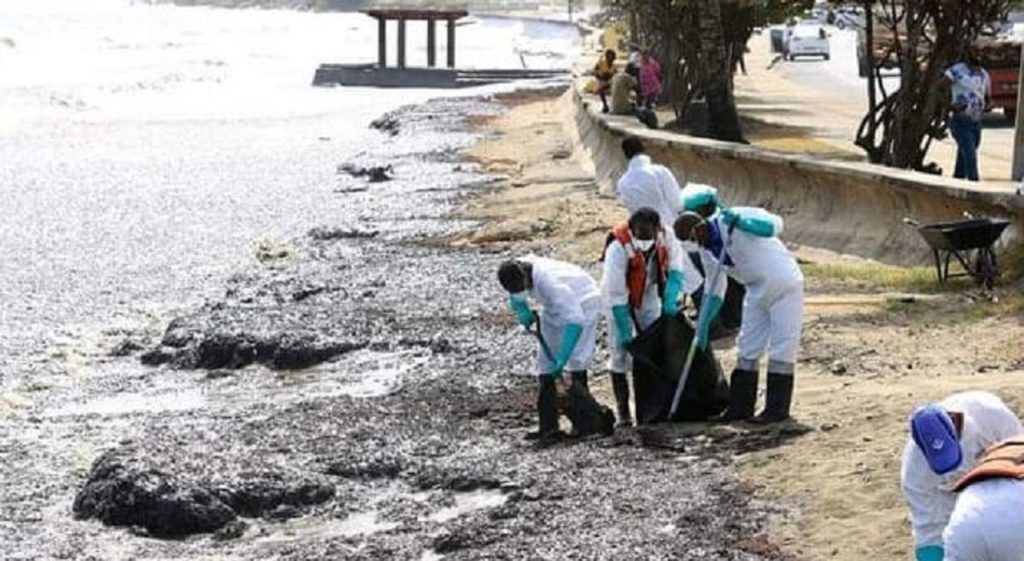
807, 40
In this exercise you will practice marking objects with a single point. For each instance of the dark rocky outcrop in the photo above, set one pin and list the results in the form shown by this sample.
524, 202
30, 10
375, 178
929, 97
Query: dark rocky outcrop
124, 491
275, 495
232, 350
124, 488
373, 174
387, 123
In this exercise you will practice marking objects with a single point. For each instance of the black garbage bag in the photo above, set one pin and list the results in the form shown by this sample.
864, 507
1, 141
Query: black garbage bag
659, 355
587, 415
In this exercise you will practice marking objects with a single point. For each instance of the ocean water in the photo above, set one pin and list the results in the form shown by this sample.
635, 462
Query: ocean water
147, 150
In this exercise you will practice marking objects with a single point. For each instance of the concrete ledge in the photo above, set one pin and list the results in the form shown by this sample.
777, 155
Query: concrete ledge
849, 207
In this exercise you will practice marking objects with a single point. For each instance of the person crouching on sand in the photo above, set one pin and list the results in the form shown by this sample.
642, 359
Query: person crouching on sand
571, 305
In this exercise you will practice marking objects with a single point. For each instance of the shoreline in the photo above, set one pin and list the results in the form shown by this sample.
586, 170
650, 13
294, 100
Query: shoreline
407, 471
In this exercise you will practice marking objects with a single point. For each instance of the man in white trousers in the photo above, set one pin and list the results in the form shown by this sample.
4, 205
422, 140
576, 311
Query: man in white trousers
946, 440
742, 242
571, 308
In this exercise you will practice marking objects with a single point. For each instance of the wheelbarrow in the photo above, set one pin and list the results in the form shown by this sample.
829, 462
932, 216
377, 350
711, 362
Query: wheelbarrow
970, 241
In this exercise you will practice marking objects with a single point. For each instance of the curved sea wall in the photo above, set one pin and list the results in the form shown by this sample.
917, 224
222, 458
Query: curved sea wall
852, 208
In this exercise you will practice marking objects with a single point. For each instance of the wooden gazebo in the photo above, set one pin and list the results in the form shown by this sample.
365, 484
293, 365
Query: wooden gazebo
401, 76
402, 15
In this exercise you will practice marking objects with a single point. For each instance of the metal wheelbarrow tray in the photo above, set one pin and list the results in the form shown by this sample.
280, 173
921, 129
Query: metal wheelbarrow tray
971, 242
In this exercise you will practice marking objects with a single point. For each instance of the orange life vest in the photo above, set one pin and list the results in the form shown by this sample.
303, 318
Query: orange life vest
1005, 459
636, 269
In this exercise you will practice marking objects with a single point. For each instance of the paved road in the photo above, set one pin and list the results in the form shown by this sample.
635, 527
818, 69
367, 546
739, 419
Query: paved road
829, 99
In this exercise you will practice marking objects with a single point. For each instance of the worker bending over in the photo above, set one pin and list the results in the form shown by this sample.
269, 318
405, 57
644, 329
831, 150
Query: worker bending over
571, 306
946, 439
743, 243
643, 279
987, 523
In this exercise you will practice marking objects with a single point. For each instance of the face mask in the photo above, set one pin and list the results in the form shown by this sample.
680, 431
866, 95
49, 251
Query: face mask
643, 245
519, 296
690, 246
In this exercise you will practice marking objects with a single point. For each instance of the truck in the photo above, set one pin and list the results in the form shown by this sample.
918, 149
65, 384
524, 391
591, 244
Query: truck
1000, 54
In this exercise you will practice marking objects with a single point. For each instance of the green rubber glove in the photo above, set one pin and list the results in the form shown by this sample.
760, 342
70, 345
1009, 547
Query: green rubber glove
623, 324
673, 285
930, 553
570, 337
524, 314
709, 312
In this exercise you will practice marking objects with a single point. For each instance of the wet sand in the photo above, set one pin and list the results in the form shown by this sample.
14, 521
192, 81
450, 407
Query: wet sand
866, 359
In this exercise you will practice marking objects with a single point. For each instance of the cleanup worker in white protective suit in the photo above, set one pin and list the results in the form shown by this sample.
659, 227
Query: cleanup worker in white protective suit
987, 523
643, 279
946, 440
571, 305
744, 241
700, 198
646, 184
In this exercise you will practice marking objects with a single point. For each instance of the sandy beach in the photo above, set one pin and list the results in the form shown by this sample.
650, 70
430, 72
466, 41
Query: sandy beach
868, 356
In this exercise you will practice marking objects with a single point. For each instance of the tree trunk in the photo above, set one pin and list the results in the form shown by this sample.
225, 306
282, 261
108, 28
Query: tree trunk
724, 121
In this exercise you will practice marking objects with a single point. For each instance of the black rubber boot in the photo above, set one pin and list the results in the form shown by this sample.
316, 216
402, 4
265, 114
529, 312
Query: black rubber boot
742, 396
620, 386
780, 396
547, 412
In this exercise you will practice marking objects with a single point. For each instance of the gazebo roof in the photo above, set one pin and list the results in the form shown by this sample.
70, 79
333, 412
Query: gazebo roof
416, 14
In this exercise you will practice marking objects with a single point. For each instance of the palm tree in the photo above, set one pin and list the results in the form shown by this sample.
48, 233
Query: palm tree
716, 63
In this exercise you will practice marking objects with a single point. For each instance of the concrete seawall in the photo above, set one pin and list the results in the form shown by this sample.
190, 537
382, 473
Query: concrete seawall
852, 208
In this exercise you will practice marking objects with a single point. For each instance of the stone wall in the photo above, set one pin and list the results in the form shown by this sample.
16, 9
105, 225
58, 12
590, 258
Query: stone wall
852, 208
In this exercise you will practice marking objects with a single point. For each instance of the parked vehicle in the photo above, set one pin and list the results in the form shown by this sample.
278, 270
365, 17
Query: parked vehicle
849, 18
999, 51
808, 40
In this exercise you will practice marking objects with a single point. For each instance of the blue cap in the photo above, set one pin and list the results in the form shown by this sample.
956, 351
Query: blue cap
935, 435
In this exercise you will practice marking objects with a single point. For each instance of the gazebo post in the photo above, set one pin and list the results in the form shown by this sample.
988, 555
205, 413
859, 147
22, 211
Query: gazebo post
401, 42
382, 42
431, 43
451, 43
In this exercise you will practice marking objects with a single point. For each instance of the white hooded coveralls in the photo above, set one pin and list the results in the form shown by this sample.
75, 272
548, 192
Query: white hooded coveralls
650, 185
773, 305
987, 421
615, 290
987, 523
568, 295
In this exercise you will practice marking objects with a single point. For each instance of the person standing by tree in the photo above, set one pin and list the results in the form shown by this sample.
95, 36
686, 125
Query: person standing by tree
650, 80
971, 90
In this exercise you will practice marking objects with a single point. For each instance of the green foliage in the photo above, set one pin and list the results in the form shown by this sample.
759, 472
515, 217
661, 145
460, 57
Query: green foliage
767, 12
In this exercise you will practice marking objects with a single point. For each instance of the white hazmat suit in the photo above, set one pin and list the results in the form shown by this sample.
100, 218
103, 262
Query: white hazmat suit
615, 290
773, 305
987, 523
568, 295
986, 422
650, 185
